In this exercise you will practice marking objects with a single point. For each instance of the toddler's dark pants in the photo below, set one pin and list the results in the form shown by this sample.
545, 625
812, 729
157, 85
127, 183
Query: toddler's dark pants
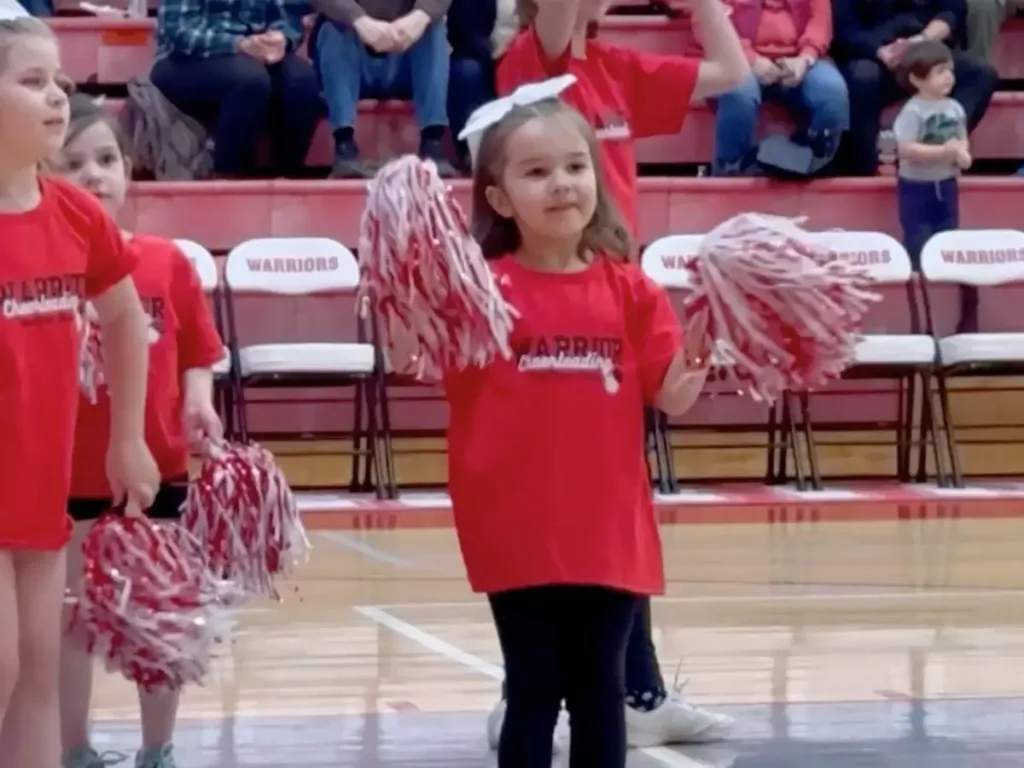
564, 642
927, 208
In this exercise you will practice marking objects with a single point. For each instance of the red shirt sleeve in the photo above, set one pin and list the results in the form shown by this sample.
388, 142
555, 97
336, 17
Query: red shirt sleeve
655, 332
110, 260
526, 62
199, 344
647, 79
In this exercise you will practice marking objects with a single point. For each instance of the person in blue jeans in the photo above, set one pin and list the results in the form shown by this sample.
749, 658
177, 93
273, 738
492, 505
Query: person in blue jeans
785, 43
383, 49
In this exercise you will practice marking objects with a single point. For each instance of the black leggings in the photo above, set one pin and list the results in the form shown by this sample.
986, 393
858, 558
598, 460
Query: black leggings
564, 642
244, 100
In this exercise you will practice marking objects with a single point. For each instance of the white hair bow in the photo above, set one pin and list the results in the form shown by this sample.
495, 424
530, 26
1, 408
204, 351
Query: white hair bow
494, 111
11, 9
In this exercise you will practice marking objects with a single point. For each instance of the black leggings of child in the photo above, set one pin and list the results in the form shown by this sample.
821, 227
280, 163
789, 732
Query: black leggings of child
564, 643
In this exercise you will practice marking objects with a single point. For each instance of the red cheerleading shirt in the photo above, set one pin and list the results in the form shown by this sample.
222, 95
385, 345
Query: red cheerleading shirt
51, 258
623, 93
182, 335
546, 451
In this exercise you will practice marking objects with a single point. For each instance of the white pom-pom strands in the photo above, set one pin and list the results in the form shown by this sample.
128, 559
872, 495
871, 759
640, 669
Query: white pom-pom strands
425, 277
780, 312
242, 510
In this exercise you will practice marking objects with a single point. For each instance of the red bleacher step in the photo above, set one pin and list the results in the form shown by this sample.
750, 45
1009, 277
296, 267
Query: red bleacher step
385, 129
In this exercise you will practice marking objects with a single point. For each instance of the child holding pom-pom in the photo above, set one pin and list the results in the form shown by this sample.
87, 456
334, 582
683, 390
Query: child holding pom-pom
546, 448
183, 345
58, 248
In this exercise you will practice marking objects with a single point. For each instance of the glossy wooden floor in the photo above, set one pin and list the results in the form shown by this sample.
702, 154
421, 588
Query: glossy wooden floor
835, 644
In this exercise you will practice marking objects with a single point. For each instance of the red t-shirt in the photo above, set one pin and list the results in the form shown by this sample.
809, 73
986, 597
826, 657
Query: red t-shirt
625, 94
182, 335
51, 258
546, 461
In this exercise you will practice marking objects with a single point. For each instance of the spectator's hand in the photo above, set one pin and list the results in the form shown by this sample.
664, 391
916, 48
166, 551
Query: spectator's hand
794, 70
274, 45
375, 34
766, 71
252, 46
893, 53
964, 159
410, 28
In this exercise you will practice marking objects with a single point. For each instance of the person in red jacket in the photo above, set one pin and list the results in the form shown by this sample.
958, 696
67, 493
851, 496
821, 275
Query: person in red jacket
547, 472
183, 345
627, 94
59, 248
785, 42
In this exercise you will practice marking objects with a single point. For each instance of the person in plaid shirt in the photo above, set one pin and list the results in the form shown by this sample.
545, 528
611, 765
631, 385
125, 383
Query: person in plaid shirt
234, 66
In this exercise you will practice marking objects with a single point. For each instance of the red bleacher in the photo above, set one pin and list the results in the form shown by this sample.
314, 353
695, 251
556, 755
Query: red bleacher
109, 52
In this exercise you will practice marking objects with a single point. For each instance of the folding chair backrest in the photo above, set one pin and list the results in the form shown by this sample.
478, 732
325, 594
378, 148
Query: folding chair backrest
203, 261
991, 260
293, 290
885, 261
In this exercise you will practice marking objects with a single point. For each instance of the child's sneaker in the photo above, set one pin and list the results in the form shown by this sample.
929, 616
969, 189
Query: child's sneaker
161, 757
676, 721
87, 757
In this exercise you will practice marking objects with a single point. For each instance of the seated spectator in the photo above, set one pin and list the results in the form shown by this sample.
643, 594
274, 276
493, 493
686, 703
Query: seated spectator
479, 31
870, 40
785, 42
235, 67
383, 49
984, 18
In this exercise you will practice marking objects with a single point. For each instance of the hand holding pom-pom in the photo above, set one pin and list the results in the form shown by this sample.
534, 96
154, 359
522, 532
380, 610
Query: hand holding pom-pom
780, 312
424, 276
147, 605
243, 512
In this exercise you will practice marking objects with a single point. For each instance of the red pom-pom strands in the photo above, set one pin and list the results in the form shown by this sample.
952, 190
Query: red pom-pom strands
243, 512
148, 606
424, 275
782, 312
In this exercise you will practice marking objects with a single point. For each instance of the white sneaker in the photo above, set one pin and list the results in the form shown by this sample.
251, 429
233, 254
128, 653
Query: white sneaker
497, 717
676, 721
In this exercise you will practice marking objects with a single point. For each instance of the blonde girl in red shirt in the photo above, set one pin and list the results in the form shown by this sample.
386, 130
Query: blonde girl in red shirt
546, 450
628, 94
57, 248
183, 345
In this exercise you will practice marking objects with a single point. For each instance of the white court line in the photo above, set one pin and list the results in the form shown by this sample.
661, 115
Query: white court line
842, 597
452, 652
431, 642
367, 550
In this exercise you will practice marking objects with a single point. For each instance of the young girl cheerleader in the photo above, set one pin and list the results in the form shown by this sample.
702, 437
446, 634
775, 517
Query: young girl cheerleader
546, 450
58, 248
626, 94
183, 344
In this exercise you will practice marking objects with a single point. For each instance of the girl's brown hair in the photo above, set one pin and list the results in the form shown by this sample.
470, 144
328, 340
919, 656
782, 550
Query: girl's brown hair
84, 113
23, 26
605, 233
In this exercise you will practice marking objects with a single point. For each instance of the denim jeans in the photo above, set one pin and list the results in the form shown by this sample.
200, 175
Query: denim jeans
471, 85
349, 71
820, 102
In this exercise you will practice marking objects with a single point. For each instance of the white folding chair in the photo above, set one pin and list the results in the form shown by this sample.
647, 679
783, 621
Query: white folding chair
985, 267
310, 284
894, 346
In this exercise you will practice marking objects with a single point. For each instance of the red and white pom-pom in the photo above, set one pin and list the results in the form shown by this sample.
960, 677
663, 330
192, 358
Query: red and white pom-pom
425, 276
147, 605
780, 311
90, 356
244, 514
